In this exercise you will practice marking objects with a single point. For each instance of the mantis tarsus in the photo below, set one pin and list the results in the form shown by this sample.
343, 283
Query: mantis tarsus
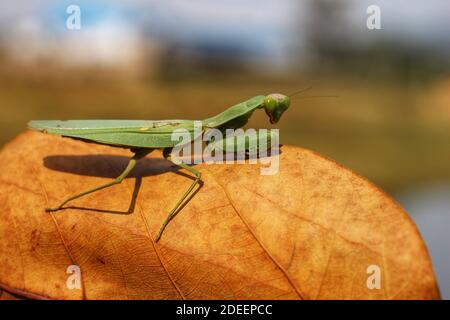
144, 136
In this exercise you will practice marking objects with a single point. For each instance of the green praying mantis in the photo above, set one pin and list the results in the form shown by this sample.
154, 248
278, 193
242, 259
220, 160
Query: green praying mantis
144, 136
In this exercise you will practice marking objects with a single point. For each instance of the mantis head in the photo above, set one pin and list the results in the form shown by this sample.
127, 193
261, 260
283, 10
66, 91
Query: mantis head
275, 104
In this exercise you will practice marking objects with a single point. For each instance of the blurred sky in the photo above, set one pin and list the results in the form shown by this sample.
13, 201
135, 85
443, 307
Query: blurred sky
112, 26
113, 32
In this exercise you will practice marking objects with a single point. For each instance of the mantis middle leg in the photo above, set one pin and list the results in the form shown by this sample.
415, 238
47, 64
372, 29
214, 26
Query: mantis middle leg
174, 211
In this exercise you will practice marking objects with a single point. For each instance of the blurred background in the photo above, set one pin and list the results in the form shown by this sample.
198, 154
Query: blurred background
192, 59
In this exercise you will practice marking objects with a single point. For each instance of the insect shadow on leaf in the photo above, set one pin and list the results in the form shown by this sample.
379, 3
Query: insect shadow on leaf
107, 166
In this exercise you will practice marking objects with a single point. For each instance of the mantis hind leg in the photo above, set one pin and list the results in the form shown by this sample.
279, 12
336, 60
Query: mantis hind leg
139, 153
174, 211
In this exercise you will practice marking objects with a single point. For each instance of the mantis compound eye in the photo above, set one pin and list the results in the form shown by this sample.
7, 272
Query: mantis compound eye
275, 104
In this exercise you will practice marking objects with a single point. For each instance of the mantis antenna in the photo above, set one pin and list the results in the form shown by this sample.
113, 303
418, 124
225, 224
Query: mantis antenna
300, 91
310, 97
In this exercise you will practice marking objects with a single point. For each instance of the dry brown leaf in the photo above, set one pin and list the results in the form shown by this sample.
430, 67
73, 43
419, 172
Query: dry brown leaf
6, 296
309, 232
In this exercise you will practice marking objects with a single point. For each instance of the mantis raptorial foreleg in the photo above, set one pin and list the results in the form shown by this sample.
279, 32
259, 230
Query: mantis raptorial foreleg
174, 211
139, 153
